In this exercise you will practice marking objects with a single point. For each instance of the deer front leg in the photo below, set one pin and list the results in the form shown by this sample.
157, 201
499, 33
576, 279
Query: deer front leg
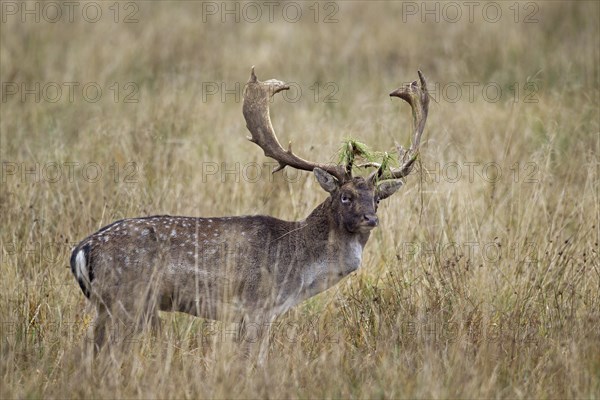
265, 341
254, 338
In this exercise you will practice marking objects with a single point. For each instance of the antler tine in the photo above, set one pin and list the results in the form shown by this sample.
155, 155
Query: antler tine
257, 95
418, 97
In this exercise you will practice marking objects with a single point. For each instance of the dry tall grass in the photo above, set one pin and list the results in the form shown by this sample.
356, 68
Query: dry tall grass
482, 284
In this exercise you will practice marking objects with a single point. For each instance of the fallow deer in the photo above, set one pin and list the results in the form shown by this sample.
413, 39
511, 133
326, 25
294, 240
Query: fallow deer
248, 267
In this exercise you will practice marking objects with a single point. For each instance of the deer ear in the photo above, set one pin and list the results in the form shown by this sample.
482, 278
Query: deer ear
388, 188
326, 180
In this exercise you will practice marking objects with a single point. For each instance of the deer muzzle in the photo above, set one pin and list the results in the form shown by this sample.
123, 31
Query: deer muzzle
370, 221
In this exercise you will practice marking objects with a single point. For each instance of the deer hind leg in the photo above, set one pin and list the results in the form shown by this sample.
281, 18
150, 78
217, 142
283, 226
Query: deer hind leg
134, 316
119, 321
100, 325
108, 327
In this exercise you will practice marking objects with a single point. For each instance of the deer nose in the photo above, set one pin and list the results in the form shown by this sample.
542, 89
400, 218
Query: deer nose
371, 219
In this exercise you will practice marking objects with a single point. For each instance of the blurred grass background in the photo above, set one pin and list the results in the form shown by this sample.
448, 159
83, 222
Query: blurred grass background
483, 278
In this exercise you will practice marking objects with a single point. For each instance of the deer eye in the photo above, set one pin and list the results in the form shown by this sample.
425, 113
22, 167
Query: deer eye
346, 199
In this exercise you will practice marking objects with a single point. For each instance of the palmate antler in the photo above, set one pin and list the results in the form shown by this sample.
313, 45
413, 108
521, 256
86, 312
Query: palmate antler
418, 97
258, 121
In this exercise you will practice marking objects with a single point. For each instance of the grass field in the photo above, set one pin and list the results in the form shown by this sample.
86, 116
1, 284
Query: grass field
483, 279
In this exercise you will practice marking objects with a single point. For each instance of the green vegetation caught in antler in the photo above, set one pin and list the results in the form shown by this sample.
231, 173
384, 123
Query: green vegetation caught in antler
360, 157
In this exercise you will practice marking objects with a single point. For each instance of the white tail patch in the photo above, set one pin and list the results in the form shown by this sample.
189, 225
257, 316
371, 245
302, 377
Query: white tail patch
81, 270
80, 267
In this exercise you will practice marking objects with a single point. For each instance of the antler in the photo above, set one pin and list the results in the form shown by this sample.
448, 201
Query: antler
418, 97
258, 121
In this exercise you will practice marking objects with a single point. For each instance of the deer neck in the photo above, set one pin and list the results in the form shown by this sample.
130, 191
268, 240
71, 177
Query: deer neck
336, 252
